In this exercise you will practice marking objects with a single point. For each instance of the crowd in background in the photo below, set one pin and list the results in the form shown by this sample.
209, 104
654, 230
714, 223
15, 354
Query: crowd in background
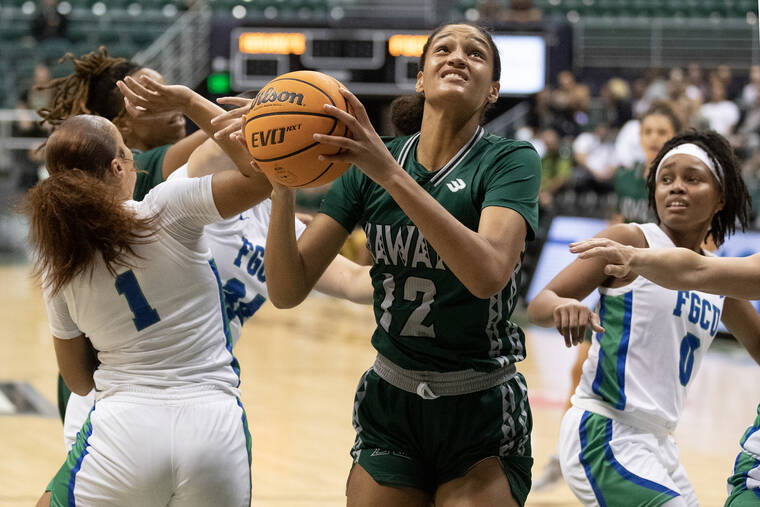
585, 130
586, 136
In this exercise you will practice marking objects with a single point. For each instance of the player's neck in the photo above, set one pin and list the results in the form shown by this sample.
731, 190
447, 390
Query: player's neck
442, 136
692, 238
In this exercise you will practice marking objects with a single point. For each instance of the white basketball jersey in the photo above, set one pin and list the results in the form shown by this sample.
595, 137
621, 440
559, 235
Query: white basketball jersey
638, 371
161, 323
237, 245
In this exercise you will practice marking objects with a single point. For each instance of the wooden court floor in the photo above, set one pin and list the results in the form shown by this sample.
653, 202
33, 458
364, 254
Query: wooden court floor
299, 371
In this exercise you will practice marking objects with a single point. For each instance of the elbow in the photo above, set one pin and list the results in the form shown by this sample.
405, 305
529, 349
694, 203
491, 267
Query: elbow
533, 313
490, 283
81, 387
285, 301
487, 289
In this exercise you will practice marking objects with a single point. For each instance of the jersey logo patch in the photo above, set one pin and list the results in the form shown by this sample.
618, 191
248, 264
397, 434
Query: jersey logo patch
456, 185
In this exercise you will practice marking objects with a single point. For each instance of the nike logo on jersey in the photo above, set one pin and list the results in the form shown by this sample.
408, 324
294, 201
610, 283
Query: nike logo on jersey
242, 217
456, 185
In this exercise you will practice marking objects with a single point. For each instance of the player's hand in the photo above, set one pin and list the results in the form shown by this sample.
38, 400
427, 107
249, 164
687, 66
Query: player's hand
618, 256
279, 191
365, 149
232, 121
571, 320
148, 97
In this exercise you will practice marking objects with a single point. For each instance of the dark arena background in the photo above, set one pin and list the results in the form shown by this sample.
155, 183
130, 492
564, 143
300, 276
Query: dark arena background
577, 75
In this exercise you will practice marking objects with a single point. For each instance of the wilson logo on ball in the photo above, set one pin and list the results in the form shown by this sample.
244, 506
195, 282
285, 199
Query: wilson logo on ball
271, 95
280, 126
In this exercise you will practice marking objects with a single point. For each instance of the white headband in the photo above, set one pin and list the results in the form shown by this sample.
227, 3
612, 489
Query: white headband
696, 152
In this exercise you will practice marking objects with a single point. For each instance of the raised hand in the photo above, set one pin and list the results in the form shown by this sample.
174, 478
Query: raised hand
571, 320
617, 256
365, 149
148, 97
230, 123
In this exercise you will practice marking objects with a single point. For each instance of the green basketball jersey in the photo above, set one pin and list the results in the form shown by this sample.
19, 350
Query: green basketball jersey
149, 170
426, 318
632, 194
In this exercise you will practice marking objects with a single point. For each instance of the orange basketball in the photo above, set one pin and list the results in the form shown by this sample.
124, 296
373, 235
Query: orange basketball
280, 125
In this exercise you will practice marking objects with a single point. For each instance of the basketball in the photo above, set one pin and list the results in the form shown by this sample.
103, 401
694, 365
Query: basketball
280, 125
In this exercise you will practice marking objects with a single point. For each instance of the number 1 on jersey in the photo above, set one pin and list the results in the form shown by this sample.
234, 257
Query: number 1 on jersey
127, 286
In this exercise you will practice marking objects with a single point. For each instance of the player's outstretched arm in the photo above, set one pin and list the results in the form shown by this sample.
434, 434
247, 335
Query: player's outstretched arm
147, 96
346, 279
678, 268
293, 267
560, 305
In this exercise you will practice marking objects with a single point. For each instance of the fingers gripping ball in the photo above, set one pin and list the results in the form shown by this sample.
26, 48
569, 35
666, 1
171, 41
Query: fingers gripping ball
280, 125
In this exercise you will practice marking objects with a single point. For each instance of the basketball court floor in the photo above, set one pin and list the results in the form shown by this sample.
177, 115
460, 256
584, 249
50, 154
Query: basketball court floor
299, 371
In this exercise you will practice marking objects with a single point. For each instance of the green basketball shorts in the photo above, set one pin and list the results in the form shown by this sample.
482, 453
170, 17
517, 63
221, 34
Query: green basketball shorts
405, 440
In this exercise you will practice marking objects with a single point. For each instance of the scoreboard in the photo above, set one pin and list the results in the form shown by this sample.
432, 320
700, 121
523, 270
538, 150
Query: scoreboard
373, 62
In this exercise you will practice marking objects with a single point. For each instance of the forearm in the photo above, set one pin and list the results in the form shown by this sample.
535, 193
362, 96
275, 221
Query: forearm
672, 268
541, 309
287, 283
202, 111
346, 280
481, 267
235, 192
179, 153
77, 361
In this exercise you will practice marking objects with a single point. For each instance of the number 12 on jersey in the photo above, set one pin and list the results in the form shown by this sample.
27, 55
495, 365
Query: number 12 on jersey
412, 287
127, 286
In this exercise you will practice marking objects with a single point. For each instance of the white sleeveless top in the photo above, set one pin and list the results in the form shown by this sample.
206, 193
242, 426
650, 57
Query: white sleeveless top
161, 323
639, 370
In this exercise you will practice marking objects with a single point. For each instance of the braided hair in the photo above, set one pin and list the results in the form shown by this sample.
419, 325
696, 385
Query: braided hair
737, 205
90, 89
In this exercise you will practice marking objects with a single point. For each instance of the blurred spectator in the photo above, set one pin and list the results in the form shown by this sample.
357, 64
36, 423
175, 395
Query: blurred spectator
594, 154
721, 114
542, 112
37, 97
747, 137
556, 167
751, 176
522, 11
28, 125
516, 11
570, 105
681, 104
696, 88
49, 23
640, 103
491, 11
657, 86
658, 125
725, 75
616, 102
627, 144
751, 89
560, 99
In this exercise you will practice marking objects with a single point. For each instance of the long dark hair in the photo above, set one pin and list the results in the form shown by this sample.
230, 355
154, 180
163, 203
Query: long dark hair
90, 89
737, 206
406, 110
76, 213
